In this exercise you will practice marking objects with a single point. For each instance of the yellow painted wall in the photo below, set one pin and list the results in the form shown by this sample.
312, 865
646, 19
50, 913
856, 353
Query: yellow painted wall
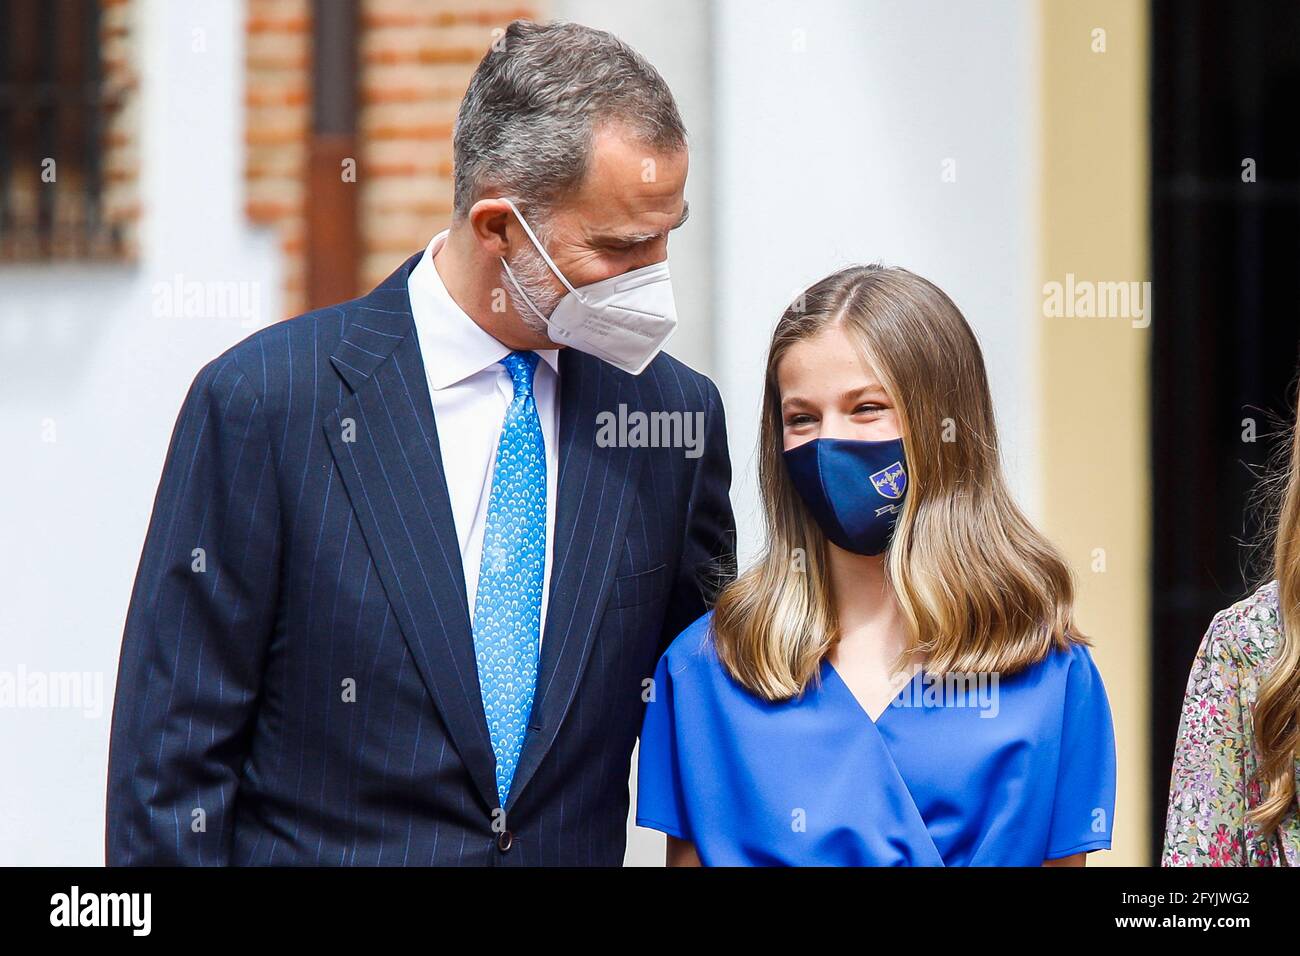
1094, 371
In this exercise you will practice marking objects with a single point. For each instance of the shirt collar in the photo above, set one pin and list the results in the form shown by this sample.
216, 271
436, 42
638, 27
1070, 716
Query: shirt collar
453, 345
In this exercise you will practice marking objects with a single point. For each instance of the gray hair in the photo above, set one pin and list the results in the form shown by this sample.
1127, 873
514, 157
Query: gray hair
525, 125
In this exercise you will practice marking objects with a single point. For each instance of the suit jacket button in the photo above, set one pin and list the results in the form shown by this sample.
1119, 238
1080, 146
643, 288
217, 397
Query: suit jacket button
505, 840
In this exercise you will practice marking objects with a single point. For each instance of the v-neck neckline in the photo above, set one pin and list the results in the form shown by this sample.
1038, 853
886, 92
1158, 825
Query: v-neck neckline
889, 705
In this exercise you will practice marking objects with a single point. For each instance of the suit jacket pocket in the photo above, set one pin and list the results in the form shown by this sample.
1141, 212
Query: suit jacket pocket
632, 589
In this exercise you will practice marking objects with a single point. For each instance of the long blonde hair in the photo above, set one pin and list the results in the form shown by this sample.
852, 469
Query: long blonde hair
980, 589
1277, 706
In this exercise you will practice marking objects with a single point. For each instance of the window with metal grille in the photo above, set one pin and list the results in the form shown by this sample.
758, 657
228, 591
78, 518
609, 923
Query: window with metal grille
55, 109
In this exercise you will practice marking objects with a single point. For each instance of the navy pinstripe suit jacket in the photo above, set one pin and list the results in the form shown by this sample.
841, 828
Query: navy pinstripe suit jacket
297, 682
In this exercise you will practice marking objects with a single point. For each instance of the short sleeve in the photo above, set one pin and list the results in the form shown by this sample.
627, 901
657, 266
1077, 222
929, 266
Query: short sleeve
1084, 805
660, 804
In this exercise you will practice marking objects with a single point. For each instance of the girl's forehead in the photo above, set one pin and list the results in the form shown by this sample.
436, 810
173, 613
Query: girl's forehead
824, 362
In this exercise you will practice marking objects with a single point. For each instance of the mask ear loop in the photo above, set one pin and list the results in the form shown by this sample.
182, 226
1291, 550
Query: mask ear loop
522, 294
541, 250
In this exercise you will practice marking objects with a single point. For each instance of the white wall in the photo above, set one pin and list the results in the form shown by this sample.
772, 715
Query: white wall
85, 352
833, 119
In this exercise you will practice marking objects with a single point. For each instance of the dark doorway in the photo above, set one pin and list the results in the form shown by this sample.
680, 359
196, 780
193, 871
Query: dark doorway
1225, 259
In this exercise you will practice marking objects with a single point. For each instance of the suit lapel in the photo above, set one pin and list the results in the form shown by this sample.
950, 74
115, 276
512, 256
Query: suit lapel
384, 439
385, 442
596, 487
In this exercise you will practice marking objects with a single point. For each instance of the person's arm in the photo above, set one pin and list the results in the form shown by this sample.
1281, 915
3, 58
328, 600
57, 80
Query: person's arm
1075, 859
708, 559
681, 853
201, 616
1205, 822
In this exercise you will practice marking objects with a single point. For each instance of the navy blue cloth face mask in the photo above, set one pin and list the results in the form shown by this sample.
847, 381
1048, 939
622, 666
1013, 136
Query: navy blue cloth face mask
853, 488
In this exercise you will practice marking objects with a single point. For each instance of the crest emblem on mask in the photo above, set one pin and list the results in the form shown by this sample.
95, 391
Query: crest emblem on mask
890, 481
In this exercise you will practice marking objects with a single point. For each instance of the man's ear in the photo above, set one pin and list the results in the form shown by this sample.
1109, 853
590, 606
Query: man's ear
490, 220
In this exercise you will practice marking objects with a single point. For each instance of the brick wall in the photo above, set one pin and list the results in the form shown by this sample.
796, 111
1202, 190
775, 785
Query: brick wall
277, 117
415, 59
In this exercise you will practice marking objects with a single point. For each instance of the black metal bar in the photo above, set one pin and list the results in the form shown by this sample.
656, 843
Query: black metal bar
93, 122
6, 121
47, 126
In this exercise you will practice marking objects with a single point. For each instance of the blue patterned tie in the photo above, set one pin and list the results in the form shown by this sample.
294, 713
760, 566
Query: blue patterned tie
508, 606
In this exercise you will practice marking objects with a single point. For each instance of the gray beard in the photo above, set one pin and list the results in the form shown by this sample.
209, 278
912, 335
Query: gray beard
535, 279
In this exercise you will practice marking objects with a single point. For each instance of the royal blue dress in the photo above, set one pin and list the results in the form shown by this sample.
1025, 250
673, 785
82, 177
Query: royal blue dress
1001, 772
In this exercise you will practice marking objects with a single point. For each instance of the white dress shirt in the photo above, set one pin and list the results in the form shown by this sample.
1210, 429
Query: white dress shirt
471, 391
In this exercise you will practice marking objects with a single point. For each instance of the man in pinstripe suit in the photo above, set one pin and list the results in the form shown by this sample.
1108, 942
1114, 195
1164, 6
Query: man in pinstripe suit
319, 632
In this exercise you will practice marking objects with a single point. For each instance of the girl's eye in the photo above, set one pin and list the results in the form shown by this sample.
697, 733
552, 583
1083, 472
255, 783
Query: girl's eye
794, 421
869, 407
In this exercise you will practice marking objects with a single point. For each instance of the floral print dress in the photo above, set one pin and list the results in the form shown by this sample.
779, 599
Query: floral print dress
1213, 785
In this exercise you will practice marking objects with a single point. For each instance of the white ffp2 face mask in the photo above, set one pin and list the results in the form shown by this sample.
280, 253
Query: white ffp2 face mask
623, 320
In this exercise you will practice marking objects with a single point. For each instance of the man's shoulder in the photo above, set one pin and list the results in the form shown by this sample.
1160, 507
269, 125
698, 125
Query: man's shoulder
259, 354
289, 358
672, 382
